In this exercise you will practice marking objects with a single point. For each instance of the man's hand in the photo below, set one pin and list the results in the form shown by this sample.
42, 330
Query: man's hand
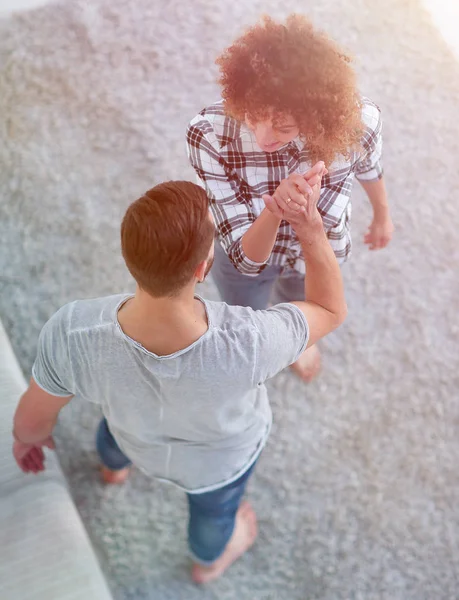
291, 195
379, 233
291, 211
30, 457
34, 422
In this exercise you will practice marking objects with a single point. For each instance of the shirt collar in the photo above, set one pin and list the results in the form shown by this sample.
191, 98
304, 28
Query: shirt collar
298, 142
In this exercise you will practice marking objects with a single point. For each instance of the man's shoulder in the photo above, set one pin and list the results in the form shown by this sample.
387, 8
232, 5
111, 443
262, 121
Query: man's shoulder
232, 325
215, 124
248, 320
88, 313
224, 316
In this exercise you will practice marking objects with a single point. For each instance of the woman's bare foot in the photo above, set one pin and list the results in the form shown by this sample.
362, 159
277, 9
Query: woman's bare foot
244, 534
308, 365
114, 477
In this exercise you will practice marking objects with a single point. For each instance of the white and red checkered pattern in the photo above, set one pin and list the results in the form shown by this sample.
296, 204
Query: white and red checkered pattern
236, 173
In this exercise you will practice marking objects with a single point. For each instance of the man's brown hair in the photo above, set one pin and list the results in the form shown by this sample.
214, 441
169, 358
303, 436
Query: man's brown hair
165, 234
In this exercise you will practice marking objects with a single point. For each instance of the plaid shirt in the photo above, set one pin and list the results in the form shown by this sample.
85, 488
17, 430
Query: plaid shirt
235, 172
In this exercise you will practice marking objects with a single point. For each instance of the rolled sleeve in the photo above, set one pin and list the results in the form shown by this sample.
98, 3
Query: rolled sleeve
231, 208
340, 237
369, 166
242, 262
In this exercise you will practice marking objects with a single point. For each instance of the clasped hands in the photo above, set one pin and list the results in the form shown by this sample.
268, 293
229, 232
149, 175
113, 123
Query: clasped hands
297, 195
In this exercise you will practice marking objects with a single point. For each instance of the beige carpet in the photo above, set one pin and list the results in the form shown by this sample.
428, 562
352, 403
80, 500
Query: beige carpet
357, 492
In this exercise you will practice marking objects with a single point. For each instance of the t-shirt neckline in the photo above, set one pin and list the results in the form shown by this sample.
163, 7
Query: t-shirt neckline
139, 346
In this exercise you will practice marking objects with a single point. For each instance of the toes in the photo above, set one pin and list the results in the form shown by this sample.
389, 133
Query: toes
198, 574
114, 477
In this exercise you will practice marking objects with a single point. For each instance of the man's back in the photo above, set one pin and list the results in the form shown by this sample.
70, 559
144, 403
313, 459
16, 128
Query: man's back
198, 417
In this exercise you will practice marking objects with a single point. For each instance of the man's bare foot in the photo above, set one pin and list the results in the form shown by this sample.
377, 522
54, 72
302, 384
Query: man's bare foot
244, 534
114, 477
308, 365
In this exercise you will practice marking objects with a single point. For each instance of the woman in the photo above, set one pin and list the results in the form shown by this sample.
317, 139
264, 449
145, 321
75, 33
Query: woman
290, 101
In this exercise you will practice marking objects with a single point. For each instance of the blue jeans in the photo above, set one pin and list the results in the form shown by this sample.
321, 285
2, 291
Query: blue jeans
237, 289
211, 515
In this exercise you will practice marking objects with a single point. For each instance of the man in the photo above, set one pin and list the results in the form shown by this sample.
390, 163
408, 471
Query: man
290, 99
180, 380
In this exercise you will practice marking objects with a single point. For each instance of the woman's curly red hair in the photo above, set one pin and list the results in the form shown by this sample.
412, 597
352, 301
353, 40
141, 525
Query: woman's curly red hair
293, 69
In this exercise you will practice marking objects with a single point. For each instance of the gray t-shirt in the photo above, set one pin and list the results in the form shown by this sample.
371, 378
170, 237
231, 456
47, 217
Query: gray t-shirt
199, 417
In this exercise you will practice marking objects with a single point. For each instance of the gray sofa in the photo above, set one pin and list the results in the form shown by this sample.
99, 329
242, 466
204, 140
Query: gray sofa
45, 551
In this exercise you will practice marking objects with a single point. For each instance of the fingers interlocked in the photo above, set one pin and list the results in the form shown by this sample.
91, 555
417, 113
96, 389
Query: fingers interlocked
297, 193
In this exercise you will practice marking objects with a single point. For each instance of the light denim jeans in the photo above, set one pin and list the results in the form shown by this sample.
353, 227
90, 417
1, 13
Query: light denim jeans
237, 289
211, 515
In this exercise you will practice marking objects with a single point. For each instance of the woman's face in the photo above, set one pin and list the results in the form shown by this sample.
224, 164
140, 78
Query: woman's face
273, 134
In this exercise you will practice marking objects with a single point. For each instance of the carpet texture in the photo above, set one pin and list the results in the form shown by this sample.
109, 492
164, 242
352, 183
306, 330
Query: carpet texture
357, 490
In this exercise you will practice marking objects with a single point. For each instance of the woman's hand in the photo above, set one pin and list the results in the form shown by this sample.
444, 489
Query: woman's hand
288, 205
